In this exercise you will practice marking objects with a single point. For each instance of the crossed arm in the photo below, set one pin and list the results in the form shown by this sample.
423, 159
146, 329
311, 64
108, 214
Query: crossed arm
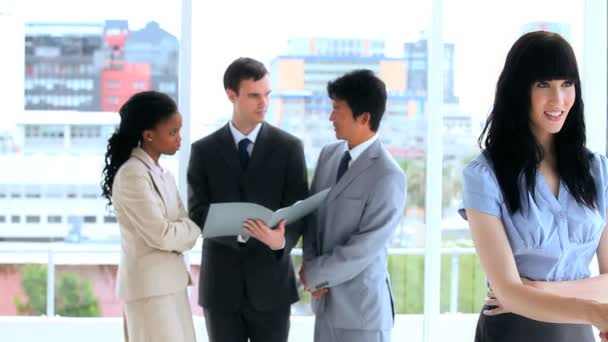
594, 288
143, 209
514, 295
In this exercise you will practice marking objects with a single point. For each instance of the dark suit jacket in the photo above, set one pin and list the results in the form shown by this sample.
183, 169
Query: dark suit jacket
275, 177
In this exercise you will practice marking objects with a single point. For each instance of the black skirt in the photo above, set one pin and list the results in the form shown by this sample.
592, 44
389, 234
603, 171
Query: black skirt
515, 328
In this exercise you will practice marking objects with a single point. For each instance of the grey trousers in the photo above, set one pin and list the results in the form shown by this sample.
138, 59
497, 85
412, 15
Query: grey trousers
324, 332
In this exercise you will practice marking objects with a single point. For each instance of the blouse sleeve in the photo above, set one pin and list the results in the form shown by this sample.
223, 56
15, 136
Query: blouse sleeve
480, 190
601, 178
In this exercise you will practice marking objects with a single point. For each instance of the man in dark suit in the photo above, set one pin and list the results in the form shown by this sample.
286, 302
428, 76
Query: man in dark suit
247, 285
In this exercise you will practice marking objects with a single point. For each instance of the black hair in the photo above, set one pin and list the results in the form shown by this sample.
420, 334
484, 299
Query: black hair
363, 91
243, 68
143, 111
509, 142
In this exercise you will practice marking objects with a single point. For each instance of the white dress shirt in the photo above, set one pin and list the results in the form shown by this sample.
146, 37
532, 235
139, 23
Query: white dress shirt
358, 150
238, 136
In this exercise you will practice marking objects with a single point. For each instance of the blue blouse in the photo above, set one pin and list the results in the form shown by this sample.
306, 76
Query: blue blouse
552, 239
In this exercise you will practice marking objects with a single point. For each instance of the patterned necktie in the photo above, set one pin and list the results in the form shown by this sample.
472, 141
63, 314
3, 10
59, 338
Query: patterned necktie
243, 153
343, 165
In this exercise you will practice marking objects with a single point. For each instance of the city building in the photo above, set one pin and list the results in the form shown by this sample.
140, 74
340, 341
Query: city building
76, 76
300, 103
417, 59
62, 64
96, 66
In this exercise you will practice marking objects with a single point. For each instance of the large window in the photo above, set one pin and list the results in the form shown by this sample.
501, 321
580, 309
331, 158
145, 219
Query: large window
304, 53
76, 62
72, 65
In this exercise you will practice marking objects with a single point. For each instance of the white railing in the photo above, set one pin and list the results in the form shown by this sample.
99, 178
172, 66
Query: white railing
60, 253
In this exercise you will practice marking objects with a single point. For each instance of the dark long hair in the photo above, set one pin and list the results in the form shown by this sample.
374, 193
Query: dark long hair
509, 142
143, 111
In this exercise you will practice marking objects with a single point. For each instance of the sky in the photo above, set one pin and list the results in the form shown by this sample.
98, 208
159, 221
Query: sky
482, 31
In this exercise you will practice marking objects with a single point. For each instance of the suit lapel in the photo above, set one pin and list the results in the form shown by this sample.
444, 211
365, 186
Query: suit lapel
362, 163
161, 188
261, 149
228, 150
158, 182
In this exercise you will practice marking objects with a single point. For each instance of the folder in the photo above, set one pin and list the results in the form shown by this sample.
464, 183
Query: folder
227, 219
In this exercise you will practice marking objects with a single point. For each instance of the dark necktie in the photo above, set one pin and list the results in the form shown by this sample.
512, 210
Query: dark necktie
343, 165
243, 153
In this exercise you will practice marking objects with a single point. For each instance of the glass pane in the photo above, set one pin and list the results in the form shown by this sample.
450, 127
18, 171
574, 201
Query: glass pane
24, 289
73, 64
86, 291
302, 56
476, 56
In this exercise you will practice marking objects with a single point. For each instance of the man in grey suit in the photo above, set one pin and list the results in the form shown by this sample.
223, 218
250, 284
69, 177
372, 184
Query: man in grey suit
346, 243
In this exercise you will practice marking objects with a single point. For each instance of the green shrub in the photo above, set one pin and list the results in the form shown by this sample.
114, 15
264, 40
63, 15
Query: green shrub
407, 282
33, 282
74, 297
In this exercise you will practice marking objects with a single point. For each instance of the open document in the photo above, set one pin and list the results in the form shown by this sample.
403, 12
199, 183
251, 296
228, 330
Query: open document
225, 219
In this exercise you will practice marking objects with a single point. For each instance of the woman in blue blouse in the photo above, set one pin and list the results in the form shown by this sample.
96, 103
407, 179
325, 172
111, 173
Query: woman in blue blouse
536, 201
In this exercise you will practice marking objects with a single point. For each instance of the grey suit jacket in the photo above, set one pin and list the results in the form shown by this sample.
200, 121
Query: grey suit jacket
346, 244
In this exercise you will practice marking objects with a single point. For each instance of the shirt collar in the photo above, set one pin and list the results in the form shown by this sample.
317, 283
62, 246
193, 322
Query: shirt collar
358, 150
150, 162
238, 136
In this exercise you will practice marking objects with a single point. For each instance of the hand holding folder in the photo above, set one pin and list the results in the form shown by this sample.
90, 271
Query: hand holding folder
226, 219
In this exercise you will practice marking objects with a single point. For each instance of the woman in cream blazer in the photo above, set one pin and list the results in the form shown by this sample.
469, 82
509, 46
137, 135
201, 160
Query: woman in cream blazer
154, 227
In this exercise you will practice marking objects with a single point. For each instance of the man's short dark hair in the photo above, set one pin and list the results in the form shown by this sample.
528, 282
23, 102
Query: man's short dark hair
243, 68
363, 91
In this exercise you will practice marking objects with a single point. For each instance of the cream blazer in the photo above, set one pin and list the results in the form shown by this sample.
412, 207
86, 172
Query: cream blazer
154, 230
